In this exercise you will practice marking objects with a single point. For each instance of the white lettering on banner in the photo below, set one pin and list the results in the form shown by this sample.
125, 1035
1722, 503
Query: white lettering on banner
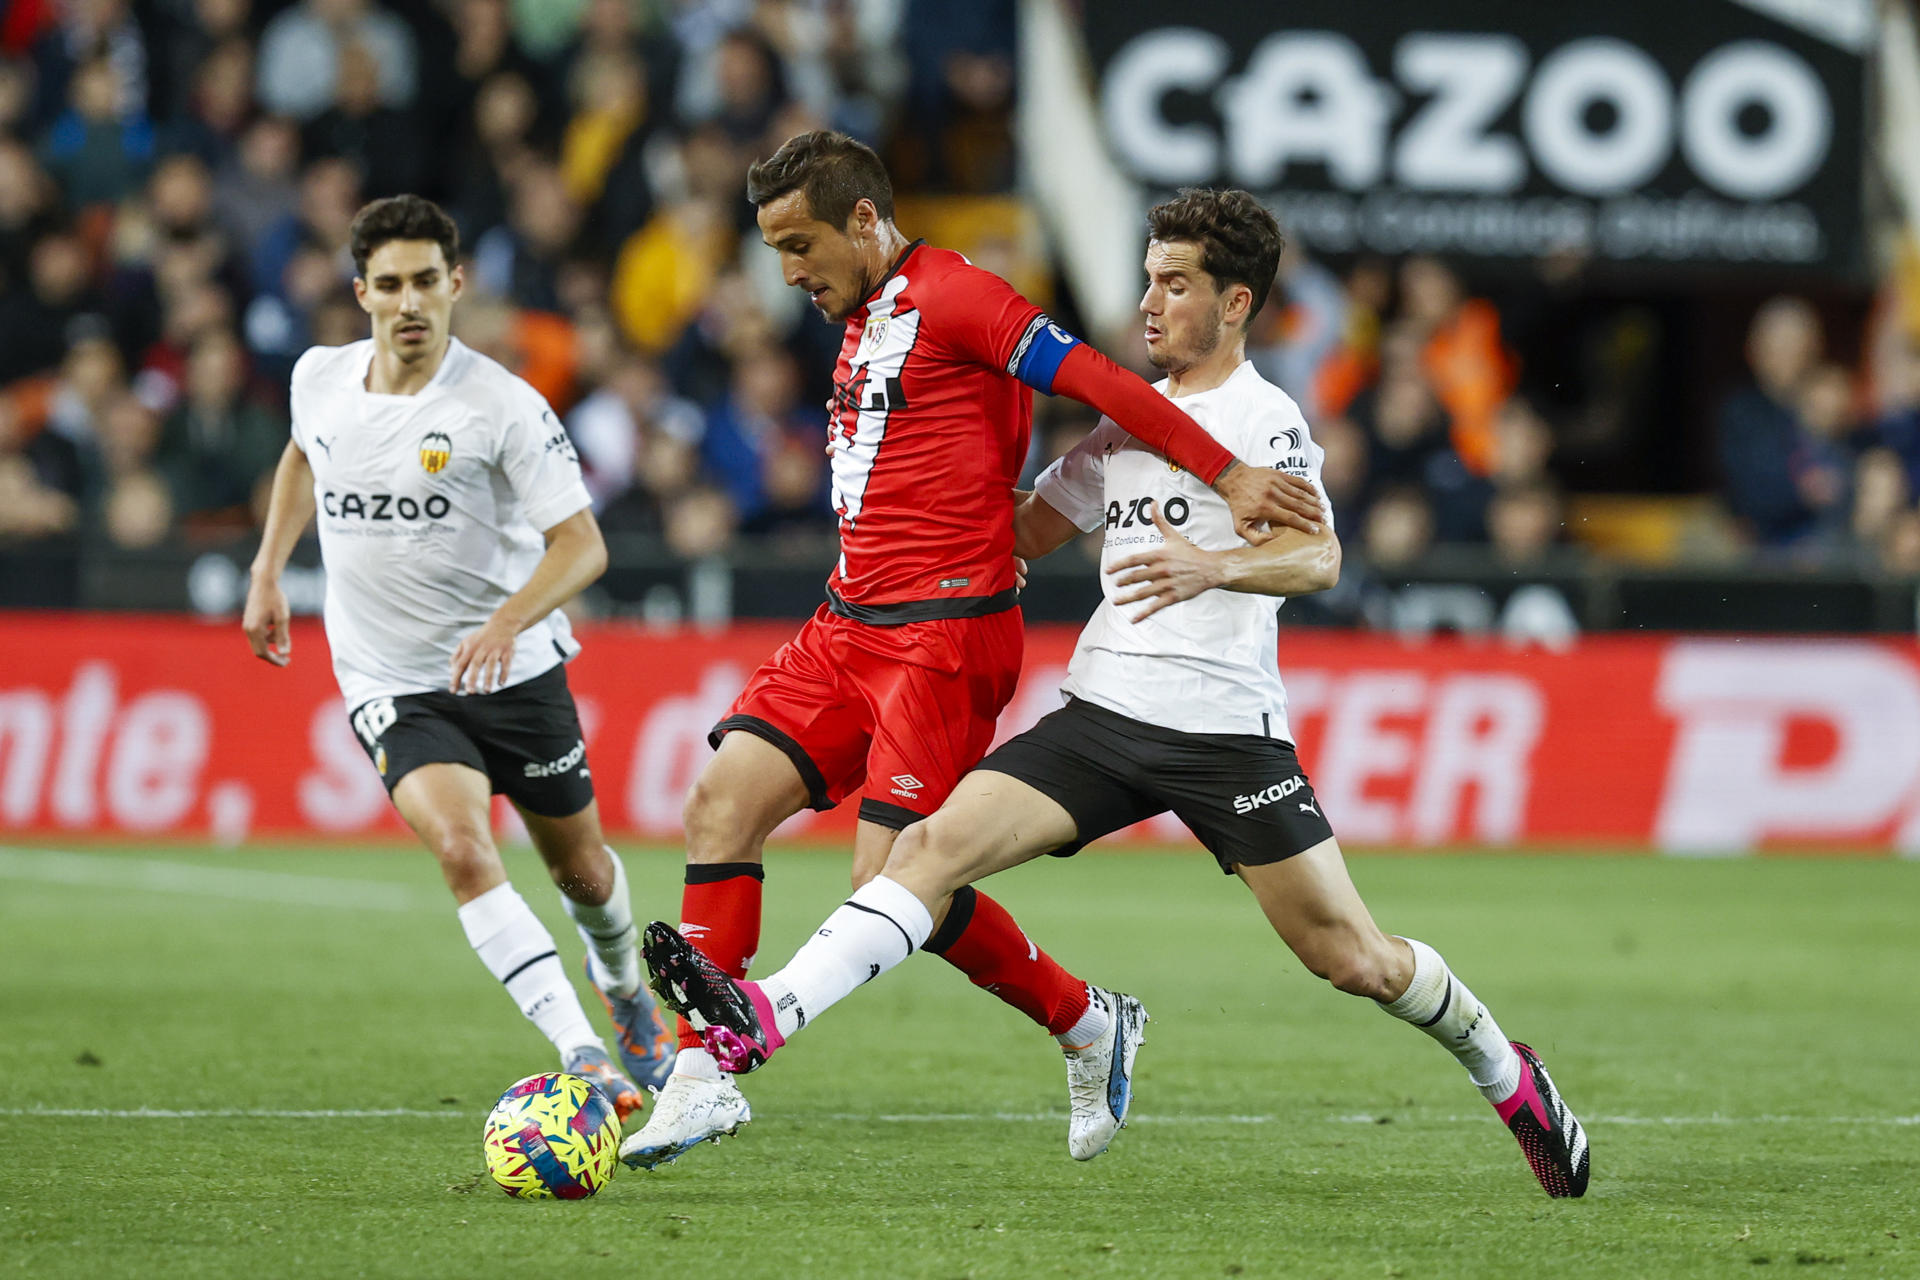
671, 748
1360, 747
342, 792
1311, 97
85, 717
159, 749
1481, 732
1728, 786
26, 742
1448, 145
1307, 96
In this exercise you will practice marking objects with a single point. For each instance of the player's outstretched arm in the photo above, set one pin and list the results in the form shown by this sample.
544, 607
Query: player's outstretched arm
1257, 496
1289, 564
1038, 529
576, 556
289, 508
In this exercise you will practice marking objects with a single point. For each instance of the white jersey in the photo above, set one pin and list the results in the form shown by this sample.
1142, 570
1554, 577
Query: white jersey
432, 510
1205, 665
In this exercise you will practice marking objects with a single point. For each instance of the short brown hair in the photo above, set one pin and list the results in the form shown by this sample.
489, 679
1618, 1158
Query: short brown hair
401, 218
1239, 240
836, 173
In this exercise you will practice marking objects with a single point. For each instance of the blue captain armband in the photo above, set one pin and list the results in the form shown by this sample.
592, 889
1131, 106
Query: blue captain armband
1039, 353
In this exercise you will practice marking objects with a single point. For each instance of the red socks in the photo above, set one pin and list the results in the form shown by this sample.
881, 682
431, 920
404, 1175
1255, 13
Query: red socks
720, 914
980, 939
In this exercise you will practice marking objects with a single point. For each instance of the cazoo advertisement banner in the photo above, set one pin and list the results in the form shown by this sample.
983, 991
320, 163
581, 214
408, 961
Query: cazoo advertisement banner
118, 726
1701, 133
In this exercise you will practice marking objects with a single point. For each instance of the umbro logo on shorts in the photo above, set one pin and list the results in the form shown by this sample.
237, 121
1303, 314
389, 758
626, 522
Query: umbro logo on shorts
905, 784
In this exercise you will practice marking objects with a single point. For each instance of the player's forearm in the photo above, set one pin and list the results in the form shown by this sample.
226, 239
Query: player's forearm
289, 508
1142, 412
576, 557
1038, 529
1291, 565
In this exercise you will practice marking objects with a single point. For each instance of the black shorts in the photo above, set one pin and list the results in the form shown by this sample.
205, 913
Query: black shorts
1245, 797
526, 738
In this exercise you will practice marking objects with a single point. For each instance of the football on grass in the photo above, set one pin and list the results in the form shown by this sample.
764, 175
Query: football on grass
551, 1137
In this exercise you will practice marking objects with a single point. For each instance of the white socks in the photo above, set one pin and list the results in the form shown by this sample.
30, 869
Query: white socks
878, 927
611, 936
1440, 1005
1092, 1027
518, 950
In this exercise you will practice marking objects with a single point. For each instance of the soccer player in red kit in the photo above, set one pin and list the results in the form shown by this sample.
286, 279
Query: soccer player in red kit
892, 689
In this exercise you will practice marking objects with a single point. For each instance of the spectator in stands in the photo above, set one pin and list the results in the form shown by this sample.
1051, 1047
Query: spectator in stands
665, 270
300, 54
1298, 332
255, 189
700, 523
382, 142
1525, 522
1471, 370
126, 494
1761, 433
27, 212
1900, 549
220, 445
960, 85
1898, 429
483, 48
500, 146
613, 428
1398, 529
92, 378
90, 31
34, 321
1354, 361
198, 27
220, 106
188, 313
40, 477
1882, 491
757, 430
522, 259
99, 150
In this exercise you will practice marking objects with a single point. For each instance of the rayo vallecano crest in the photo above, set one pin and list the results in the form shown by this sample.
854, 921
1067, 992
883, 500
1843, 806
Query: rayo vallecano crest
436, 450
876, 333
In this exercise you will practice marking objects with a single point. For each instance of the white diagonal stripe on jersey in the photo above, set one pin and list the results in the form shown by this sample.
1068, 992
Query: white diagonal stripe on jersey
869, 368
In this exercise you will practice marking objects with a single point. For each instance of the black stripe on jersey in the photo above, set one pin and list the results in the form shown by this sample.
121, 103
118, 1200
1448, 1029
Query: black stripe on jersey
904, 935
902, 612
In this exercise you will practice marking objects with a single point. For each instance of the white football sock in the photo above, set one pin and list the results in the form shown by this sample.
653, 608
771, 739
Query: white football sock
613, 941
1093, 1025
518, 950
1439, 1004
697, 1063
878, 927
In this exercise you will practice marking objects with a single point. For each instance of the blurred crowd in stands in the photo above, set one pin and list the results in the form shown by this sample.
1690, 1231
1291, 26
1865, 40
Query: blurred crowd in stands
177, 178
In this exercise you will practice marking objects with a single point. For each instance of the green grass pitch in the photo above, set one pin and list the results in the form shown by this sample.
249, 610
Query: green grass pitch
1742, 1039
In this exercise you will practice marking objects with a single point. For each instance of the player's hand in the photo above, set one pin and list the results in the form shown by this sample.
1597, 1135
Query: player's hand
1261, 497
483, 658
1166, 575
1019, 574
265, 622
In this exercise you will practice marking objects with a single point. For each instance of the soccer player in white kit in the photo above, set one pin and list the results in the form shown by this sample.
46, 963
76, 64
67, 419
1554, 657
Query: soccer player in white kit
1174, 702
453, 524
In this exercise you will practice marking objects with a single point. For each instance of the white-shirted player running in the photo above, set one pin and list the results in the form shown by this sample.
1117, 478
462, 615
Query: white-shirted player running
453, 524
1174, 702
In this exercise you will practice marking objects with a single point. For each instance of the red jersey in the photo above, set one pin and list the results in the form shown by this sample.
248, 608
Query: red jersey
930, 429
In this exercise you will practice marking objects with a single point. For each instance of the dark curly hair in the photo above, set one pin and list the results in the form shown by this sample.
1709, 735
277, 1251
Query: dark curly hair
402, 218
836, 172
1239, 240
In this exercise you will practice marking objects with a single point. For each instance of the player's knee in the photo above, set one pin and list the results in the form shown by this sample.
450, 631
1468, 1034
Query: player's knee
466, 854
924, 857
717, 828
1346, 962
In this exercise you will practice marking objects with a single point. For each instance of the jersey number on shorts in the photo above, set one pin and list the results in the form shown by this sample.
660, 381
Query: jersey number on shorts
373, 720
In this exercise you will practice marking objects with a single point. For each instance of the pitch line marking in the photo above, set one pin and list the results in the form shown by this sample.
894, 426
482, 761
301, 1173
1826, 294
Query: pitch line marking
949, 1117
53, 866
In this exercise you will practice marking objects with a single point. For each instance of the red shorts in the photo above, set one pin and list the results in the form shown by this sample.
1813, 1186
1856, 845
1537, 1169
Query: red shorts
905, 710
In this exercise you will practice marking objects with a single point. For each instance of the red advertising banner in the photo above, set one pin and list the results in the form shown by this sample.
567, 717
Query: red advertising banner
115, 725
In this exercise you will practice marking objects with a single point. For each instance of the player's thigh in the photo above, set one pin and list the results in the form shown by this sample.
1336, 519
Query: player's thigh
991, 822
1312, 903
936, 691
748, 787
449, 806
796, 705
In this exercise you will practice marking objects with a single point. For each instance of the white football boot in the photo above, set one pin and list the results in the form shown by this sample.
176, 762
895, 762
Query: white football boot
1100, 1076
689, 1111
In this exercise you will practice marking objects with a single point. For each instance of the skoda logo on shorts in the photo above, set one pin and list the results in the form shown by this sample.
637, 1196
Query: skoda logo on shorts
436, 450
